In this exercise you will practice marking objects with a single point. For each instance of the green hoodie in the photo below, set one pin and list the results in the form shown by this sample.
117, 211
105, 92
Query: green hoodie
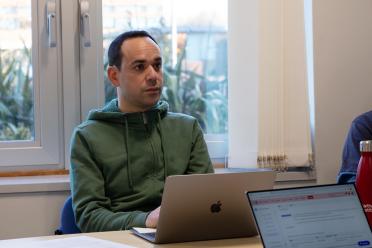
119, 162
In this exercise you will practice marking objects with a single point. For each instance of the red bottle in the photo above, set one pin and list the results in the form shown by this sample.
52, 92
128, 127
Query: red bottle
363, 181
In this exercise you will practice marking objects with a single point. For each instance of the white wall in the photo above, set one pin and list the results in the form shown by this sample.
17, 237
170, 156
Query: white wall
30, 214
342, 76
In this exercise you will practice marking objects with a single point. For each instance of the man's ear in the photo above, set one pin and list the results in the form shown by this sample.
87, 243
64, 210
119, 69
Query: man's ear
113, 75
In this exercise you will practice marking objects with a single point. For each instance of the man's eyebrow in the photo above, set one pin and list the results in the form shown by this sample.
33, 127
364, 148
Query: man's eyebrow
158, 59
138, 61
143, 61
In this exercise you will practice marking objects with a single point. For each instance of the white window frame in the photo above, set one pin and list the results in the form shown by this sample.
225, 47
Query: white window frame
71, 73
46, 149
68, 82
91, 63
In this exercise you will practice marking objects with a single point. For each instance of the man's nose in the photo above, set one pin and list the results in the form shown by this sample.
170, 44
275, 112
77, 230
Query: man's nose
152, 75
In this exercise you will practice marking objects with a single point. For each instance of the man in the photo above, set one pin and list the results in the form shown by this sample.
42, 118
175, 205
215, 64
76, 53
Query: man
122, 154
361, 129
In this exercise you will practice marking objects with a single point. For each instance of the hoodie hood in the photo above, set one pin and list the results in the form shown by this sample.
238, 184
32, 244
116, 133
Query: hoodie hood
111, 113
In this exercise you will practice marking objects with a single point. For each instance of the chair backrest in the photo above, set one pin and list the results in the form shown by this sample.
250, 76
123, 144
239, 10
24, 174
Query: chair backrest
346, 177
68, 224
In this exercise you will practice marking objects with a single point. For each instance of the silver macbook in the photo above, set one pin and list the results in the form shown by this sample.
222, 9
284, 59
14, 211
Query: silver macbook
320, 216
207, 206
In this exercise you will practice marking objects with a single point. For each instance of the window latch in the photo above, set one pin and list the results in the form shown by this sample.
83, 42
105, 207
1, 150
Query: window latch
85, 25
51, 23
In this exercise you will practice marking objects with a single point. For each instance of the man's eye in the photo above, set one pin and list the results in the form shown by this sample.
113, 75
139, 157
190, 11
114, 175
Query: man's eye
139, 67
157, 66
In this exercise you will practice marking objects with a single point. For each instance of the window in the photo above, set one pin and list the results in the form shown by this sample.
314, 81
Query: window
16, 92
30, 95
66, 42
57, 69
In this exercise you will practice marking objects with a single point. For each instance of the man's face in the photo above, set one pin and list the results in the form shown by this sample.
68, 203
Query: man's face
140, 78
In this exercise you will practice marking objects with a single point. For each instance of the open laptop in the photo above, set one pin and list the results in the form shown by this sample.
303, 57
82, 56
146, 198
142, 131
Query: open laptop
207, 206
308, 217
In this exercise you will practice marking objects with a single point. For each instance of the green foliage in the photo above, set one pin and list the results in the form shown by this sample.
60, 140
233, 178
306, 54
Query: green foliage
12, 132
193, 94
16, 95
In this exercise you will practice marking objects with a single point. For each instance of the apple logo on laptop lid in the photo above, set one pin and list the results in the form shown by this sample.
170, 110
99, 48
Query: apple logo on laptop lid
216, 207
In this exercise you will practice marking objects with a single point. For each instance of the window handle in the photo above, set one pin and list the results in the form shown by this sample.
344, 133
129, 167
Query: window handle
85, 25
51, 23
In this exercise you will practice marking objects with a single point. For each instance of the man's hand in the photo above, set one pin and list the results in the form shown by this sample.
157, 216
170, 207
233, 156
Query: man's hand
152, 218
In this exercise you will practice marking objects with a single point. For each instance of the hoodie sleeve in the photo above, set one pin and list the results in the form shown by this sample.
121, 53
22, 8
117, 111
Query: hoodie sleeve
200, 161
90, 204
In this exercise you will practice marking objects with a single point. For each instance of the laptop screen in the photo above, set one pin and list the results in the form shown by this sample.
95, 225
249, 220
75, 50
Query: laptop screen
318, 216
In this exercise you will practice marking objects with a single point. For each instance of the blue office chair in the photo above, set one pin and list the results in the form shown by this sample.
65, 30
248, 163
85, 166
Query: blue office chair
68, 225
346, 177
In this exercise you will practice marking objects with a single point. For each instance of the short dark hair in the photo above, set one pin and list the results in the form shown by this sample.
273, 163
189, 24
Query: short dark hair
114, 51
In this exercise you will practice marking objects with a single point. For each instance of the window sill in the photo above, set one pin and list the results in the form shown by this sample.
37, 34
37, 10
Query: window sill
294, 179
295, 176
34, 184
54, 183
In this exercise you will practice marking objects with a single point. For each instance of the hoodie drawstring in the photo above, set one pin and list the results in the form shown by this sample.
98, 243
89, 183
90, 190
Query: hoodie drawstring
127, 150
165, 157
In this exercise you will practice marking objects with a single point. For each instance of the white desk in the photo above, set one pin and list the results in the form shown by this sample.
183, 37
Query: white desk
126, 237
